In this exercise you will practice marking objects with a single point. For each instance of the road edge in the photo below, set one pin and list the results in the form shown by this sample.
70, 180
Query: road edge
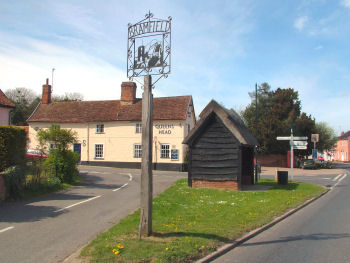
226, 248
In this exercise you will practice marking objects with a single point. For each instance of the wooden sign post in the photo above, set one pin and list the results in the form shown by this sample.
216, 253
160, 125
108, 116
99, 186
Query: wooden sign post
149, 53
146, 165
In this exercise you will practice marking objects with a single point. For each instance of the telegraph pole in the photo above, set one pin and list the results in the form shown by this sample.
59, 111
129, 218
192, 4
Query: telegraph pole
256, 130
146, 165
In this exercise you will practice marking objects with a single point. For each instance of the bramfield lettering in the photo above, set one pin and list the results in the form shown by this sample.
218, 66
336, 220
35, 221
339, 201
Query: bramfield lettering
149, 27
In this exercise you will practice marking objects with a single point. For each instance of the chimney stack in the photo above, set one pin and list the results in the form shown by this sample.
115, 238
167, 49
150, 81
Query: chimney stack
128, 90
46, 97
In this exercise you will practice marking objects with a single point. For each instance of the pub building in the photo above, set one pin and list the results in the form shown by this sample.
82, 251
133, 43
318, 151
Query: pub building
109, 131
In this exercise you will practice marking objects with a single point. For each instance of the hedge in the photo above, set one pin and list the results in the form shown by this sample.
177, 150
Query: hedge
13, 143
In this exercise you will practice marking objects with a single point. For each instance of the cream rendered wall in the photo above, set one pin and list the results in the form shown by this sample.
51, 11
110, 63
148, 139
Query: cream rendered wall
4, 116
119, 139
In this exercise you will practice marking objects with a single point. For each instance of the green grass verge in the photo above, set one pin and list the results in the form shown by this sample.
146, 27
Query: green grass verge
189, 223
48, 186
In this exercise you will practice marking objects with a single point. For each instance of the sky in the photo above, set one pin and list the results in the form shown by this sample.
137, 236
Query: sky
219, 50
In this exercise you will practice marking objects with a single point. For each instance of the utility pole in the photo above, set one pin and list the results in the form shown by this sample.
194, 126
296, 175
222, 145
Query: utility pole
145, 227
53, 69
256, 130
291, 154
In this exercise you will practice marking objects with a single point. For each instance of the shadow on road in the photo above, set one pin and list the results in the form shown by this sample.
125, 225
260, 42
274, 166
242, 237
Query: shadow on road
189, 234
316, 237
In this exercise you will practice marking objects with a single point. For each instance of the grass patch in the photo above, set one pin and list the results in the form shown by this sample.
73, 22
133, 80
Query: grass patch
48, 185
189, 223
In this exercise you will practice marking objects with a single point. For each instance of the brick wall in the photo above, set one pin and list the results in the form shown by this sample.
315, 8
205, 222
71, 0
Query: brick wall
228, 185
273, 160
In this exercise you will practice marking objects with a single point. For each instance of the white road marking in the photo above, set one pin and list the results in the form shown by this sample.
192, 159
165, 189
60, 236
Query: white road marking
87, 200
339, 181
7, 228
130, 179
336, 178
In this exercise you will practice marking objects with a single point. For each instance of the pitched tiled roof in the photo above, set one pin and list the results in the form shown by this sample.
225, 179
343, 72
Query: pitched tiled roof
344, 136
229, 118
169, 108
5, 102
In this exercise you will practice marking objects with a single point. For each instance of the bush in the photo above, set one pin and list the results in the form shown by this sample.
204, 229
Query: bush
14, 180
13, 142
63, 165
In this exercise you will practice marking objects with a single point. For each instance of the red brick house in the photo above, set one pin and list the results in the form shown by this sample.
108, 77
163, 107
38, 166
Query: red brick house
342, 148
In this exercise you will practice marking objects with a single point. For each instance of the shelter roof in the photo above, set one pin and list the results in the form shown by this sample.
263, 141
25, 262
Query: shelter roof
229, 118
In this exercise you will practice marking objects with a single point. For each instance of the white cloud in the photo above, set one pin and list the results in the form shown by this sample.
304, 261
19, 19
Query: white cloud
345, 3
319, 47
75, 71
300, 22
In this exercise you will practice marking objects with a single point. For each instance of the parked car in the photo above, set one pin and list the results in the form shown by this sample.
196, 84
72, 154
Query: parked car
36, 155
308, 164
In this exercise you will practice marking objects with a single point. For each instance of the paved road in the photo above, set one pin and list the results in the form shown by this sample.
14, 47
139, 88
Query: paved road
318, 233
324, 177
52, 227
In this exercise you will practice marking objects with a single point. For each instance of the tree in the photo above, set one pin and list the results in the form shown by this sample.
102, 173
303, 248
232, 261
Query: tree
68, 96
61, 161
25, 100
277, 114
304, 126
327, 137
60, 138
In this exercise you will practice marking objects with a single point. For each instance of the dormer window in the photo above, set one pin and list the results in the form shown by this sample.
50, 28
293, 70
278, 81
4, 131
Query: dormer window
100, 128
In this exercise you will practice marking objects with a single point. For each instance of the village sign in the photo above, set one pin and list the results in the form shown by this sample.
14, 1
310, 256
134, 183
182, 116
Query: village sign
149, 47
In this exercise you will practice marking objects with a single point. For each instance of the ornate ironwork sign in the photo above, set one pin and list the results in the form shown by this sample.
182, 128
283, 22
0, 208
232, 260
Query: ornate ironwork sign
149, 47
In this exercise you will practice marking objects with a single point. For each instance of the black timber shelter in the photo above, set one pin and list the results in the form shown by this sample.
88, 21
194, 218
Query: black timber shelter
221, 148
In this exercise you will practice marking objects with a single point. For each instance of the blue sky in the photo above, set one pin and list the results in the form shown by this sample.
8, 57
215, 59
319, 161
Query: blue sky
220, 49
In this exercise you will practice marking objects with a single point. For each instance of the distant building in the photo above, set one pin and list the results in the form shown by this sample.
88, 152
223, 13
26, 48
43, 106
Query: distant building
109, 131
5, 108
342, 149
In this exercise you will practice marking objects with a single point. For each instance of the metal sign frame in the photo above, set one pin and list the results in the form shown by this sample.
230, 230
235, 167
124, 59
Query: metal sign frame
149, 47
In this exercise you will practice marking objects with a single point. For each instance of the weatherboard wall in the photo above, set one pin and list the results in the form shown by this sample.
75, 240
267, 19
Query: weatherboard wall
215, 154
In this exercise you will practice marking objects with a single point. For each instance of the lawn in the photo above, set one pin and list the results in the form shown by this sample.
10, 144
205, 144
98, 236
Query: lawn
189, 223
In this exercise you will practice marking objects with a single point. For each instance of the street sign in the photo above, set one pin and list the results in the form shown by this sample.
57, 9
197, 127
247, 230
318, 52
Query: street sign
287, 138
299, 147
299, 143
283, 138
315, 137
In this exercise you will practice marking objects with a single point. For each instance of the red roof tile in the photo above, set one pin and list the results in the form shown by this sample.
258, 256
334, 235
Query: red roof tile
169, 108
5, 102
345, 136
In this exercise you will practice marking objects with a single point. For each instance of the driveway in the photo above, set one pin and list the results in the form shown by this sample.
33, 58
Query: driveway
52, 227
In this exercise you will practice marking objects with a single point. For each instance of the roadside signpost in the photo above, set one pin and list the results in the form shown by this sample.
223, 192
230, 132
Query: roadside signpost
314, 138
296, 143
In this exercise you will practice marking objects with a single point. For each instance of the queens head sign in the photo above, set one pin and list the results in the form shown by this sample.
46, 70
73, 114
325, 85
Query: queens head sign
149, 47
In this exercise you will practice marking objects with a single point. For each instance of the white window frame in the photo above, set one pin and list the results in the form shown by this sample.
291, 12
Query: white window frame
138, 152
165, 153
103, 151
100, 128
138, 128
